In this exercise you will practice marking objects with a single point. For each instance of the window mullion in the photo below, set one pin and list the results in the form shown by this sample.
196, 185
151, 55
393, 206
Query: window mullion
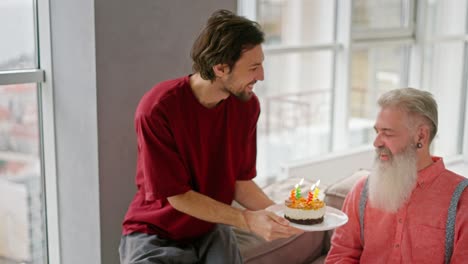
341, 89
21, 76
283, 49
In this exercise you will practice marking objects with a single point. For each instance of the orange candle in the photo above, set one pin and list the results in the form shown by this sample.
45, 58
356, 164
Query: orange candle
293, 195
310, 195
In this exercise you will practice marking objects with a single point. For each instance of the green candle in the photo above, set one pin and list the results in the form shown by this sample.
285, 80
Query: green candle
298, 192
298, 189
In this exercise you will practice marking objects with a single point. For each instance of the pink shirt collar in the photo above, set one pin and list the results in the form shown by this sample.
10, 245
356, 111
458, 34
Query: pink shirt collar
431, 172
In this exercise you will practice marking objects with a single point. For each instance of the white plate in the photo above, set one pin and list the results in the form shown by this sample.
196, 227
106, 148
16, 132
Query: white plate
332, 219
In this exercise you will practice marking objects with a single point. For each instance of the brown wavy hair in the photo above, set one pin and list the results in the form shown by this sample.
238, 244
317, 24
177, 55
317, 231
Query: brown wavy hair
222, 41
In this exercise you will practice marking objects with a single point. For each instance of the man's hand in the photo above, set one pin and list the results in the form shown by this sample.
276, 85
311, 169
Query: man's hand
269, 225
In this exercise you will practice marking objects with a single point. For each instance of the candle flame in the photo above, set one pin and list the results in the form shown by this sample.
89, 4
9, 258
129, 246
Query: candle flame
312, 187
317, 184
295, 186
302, 180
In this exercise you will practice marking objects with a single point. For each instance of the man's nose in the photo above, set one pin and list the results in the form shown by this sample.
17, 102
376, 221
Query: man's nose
378, 141
260, 75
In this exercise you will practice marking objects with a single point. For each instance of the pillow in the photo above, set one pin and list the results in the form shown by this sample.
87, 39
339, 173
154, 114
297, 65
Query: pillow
336, 193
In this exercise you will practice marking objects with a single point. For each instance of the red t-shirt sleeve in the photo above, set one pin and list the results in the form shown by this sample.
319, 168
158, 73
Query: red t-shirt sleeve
249, 166
164, 174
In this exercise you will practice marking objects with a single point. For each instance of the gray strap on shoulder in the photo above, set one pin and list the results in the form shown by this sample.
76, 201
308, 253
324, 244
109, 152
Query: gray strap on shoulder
362, 207
452, 214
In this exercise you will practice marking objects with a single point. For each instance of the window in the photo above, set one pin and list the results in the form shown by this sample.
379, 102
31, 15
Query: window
374, 70
297, 92
324, 73
22, 207
444, 45
375, 19
380, 60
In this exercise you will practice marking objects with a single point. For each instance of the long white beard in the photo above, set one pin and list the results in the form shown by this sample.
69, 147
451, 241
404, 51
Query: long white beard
391, 182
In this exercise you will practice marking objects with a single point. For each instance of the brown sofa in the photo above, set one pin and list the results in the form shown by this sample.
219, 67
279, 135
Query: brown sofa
309, 247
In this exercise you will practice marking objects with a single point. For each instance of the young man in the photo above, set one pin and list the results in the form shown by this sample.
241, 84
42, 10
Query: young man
197, 153
410, 192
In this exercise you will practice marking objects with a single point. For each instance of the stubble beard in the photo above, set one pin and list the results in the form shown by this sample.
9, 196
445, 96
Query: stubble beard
392, 182
244, 95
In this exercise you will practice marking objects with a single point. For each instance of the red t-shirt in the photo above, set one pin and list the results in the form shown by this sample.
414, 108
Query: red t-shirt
184, 146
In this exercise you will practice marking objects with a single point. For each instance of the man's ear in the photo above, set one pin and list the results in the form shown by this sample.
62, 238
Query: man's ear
423, 134
220, 70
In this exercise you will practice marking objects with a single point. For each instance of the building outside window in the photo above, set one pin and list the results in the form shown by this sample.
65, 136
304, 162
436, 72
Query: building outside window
22, 206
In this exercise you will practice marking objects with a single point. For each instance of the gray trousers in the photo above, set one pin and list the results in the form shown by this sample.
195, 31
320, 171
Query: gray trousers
218, 246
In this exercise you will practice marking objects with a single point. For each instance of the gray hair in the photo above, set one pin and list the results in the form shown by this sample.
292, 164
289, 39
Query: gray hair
415, 102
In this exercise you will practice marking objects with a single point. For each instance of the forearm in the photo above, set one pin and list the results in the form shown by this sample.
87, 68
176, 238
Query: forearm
263, 223
208, 209
249, 195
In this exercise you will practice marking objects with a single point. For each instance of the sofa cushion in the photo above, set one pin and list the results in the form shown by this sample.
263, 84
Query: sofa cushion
320, 260
303, 248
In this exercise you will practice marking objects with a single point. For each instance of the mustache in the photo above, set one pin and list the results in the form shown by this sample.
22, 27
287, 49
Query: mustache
383, 150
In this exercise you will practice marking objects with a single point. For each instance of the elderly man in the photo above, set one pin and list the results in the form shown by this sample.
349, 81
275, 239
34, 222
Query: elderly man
400, 213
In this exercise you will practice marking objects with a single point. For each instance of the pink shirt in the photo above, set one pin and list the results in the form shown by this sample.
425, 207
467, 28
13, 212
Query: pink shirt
414, 234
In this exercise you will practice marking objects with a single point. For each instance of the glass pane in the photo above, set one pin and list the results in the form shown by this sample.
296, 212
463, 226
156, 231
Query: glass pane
295, 119
17, 47
443, 77
369, 14
296, 22
446, 18
22, 238
373, 72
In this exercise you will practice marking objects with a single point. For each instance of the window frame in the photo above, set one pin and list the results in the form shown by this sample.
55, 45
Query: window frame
47, 130
389, 33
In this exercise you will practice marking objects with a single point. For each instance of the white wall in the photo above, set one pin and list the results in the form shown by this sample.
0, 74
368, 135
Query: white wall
106, 54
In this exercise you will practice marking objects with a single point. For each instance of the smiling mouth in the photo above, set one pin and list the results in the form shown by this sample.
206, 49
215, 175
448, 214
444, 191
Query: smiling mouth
384, 157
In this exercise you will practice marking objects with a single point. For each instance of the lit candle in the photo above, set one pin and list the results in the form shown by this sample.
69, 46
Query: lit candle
293, 194
298, 189
317, 190
310, 195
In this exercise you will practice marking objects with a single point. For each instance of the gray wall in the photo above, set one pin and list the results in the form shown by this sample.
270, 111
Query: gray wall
106, 55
